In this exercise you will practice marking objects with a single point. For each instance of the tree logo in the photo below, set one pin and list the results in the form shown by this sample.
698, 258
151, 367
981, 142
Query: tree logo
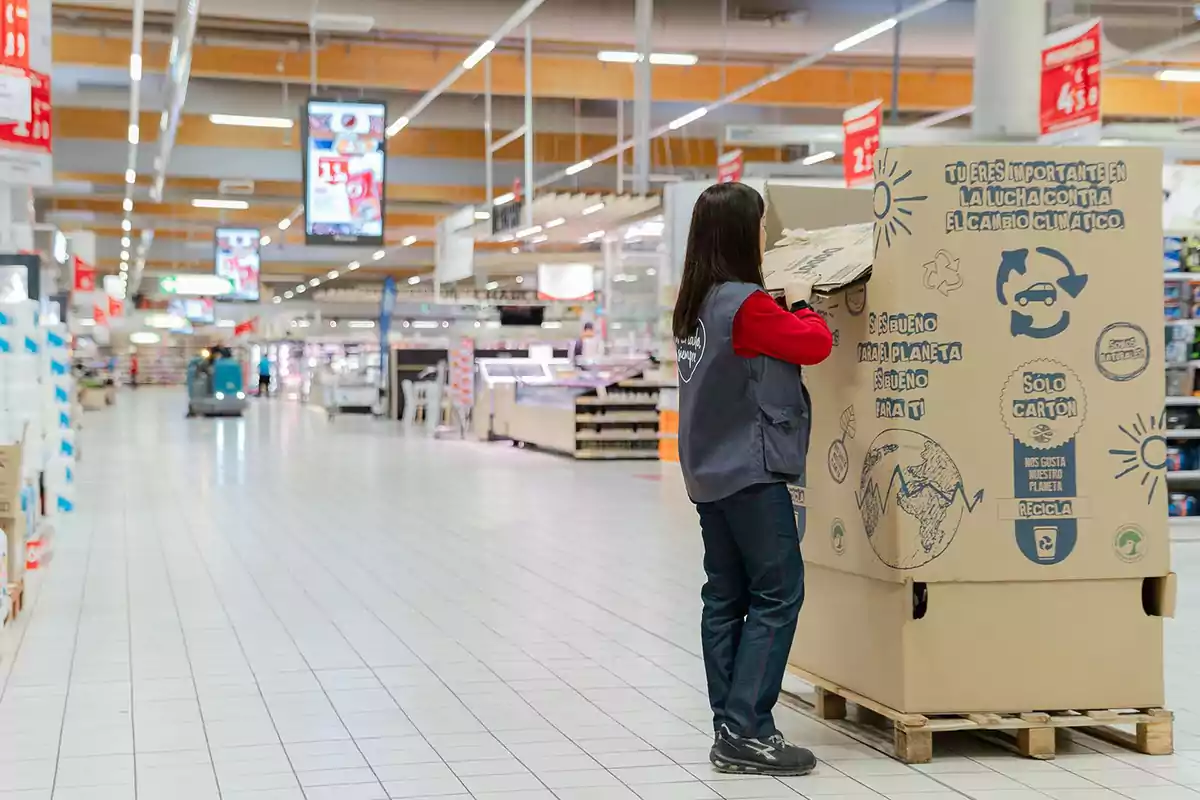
1130, 544
837, 536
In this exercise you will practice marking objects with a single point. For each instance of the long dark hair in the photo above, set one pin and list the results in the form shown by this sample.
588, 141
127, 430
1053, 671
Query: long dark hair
723, 245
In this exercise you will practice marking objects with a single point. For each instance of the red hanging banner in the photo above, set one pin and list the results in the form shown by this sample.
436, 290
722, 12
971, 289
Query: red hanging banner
243, 328
860, 136
115, 308
1070, 90
85, 275
14, 28
731, 166
34, 135
100, 315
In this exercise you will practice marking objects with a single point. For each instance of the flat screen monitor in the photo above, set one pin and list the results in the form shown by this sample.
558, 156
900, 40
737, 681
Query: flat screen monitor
237, 258
345, 172
522, 315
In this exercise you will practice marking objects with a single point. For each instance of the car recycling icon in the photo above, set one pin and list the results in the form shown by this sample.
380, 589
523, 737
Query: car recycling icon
1043, 293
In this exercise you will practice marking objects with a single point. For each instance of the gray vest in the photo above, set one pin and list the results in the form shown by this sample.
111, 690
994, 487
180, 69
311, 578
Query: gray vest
742, 421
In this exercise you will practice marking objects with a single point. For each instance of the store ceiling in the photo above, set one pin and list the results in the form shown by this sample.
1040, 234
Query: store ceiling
253, 57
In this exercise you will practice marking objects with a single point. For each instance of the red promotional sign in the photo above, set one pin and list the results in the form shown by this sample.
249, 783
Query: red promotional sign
14, 31
1070, 92
85, 276
100, 315
860, 135
33, 135
243, 328
730, 167
115, 307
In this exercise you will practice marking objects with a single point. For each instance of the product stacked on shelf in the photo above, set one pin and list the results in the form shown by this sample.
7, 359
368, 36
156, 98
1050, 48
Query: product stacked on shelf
1181, 311
621, 423
37, 433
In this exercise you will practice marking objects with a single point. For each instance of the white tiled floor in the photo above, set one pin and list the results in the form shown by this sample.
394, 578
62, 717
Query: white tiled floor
281, 608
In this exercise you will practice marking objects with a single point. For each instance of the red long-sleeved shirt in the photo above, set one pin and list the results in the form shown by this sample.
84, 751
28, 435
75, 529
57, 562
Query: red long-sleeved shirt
762, 328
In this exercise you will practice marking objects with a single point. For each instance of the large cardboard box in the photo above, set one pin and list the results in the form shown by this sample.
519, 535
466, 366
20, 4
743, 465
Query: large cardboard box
12, 517
986, 493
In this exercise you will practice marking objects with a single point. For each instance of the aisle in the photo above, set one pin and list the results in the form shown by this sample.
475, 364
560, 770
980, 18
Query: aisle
282, 608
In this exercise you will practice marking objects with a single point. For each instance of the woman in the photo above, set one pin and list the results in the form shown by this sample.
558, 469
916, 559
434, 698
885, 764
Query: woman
743, 436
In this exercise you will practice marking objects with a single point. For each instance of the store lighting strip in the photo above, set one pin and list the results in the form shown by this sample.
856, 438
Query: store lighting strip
135, 93
841, 45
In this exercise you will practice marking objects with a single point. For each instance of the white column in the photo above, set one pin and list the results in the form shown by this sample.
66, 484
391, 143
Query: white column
1008, 47
643, 20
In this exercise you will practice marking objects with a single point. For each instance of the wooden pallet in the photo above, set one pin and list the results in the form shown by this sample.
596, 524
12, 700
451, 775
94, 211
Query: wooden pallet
1032, 733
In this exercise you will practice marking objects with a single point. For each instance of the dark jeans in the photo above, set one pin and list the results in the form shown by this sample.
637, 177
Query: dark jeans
751, 601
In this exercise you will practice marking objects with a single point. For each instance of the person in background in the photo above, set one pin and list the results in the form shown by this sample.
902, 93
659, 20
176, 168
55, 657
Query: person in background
743, 436
133, 369
264, 376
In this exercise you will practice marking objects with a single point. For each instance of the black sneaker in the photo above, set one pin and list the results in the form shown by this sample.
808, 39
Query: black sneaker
773, 755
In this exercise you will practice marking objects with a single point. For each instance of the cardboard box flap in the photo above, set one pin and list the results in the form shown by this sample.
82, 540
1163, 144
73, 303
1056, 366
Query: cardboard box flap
836, 257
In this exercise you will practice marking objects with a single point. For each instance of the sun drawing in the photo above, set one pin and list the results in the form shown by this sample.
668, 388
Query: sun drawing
890, 208
1149, 456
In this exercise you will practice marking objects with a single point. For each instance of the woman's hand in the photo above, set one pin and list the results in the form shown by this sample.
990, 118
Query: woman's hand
799, 290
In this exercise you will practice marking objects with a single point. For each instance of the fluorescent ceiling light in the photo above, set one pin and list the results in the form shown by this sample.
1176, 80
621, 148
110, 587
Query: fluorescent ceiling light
515, 250
126, 225
575, 169
539, 239
482, 215
226, 323
127, 204
379, 254
595, 235
315, 282
663, 59
232, 205
285, 223
1179, 75
508, 237
353, 265
520, 279
817, 158
250, 122
289, 294
162, 120
862, 36
277, 299
333, 274
687, 118
554, 223
407, 241
125, 242
521, 234
397, 126
124, 266
301, 289
264, 241
507, 197
425, 324
135, 66
145, 337
124, 255
479, 54
130, 176
134, 134
87, 323
492, 286
361, 323
551, 324
651, 271
414, 280
593, 209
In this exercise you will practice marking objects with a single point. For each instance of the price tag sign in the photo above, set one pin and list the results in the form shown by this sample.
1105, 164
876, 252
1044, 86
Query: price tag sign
333, 170
1070, 90
860, 136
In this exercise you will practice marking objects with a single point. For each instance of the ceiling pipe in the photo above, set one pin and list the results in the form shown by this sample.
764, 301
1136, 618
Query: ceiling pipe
737, 94
179, 70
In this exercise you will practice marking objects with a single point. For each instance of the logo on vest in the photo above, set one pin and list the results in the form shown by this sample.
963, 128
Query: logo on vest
690, 351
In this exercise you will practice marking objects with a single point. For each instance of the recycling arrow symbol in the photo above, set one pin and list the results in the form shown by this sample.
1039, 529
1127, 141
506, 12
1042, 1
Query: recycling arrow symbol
942, 273
1014, 262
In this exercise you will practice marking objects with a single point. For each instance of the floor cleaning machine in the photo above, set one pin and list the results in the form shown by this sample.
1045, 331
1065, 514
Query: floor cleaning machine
214, 384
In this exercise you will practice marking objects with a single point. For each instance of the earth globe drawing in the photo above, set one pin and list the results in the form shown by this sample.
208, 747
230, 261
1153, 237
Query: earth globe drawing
912, 498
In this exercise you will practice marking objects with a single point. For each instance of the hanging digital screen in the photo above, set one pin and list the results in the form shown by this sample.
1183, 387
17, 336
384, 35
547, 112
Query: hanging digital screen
345, 167
237, 259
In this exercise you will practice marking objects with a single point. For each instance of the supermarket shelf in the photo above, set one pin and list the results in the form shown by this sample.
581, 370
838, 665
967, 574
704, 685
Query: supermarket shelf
1183, 401
1184, 476
645, 383
1181, 277
1185, 529
628, 418
616, 436
614, 455
1182, 434
606, 401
